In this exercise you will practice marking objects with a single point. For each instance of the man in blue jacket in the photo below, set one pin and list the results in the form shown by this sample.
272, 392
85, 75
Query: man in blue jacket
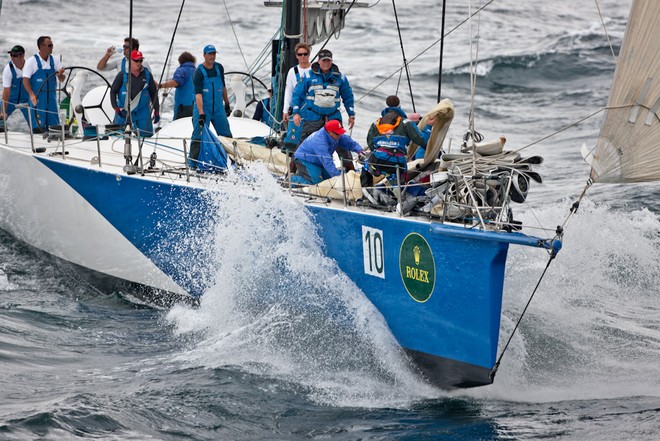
184, 95
313, 157
317, 98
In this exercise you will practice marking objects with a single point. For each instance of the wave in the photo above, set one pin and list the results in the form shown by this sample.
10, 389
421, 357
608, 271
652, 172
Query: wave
283, 310
591, 331
534, 72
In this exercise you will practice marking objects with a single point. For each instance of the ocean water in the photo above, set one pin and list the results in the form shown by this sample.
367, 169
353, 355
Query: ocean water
245, 365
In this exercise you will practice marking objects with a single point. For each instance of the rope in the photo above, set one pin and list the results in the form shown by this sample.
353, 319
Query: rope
576, 204
238, 43
553, 254
561, 130
403, 54
605, 29
169, 49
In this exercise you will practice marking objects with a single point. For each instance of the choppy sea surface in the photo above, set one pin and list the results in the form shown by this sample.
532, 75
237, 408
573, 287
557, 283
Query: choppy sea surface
245, 365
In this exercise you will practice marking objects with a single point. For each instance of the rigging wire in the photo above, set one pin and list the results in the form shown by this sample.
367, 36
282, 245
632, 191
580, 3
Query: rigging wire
169, 49
403, 54
561, 130
553, 254
574, 208
238, 43
304, 21
605, 29
370, 91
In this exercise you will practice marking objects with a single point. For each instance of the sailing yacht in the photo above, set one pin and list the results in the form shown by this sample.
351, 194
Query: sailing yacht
129, 212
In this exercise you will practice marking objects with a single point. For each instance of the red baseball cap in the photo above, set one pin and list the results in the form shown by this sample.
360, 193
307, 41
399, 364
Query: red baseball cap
136, 56
334, 126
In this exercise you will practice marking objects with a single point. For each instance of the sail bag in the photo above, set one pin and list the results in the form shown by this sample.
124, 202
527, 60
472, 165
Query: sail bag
212, 156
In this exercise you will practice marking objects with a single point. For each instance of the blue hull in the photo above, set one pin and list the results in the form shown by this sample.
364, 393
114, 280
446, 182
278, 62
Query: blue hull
438, 287
444, 308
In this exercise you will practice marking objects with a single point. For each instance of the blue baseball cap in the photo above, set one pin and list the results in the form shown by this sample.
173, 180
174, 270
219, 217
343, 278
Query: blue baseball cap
209, 49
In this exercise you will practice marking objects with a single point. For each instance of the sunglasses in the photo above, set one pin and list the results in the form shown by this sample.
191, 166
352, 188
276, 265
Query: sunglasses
16, 55
127, 47
138, 61
303, 54
50, 45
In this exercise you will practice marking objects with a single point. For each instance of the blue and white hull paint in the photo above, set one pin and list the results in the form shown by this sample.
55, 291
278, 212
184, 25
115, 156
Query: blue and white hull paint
88, 217
438, 286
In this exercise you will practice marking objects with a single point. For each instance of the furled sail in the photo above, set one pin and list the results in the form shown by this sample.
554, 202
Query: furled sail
628, 147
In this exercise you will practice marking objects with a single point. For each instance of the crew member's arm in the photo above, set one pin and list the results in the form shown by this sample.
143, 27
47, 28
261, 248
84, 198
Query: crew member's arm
346, 92
349, 143
28, 89
198, 85
225, 96
288, 93
168, 84
153, 94
200, 103
104, 60
114, 91
298, 101
416, 135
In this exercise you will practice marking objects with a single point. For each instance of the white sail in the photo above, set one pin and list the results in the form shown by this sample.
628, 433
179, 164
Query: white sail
628, 147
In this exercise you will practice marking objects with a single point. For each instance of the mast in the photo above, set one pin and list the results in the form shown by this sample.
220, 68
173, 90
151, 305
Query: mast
292, 11
442, 48
292, 31
326, 18
129, 168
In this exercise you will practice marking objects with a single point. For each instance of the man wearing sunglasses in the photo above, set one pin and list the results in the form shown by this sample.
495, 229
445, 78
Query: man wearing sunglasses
317, 98
106, 64
13, 90
38, 78
296, 74
144, 95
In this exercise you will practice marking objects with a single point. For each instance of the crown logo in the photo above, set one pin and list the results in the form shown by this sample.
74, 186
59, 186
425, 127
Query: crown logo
417, 253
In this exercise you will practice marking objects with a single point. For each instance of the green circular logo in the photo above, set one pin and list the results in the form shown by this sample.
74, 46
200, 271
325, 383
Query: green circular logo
417, 267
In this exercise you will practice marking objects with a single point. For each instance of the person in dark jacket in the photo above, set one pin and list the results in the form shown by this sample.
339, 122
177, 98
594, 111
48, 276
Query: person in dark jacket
263, 112
144, 95
388, 139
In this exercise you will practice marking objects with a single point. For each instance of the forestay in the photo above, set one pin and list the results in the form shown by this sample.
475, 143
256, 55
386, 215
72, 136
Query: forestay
628, 147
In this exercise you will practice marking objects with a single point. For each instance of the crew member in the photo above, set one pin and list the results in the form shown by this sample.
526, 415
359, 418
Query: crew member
13, 90
39, 75
313, 157
144, 94
210, 93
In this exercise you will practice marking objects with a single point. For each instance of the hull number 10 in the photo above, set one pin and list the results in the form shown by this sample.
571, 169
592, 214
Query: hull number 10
373, 252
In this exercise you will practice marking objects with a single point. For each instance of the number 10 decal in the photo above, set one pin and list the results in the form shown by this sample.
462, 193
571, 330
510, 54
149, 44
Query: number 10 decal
373, 252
